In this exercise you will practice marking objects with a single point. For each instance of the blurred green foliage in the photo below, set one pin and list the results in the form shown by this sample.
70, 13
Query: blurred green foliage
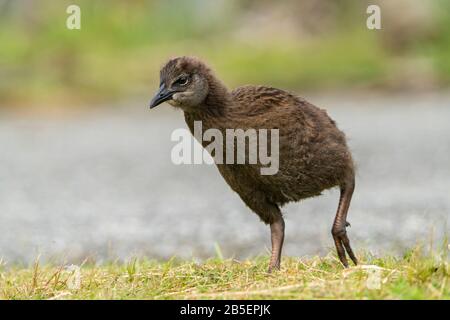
122, 44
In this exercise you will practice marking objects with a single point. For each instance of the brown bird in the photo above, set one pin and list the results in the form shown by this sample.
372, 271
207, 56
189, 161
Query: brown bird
313, 153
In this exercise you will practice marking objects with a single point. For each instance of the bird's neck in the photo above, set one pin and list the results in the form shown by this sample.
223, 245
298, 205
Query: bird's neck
214, 110
215, 105
218, 99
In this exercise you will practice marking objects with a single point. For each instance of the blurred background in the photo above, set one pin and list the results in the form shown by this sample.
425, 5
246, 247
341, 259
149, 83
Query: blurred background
85, 167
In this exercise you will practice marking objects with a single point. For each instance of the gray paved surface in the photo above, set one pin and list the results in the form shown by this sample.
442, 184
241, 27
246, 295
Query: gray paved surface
103, 184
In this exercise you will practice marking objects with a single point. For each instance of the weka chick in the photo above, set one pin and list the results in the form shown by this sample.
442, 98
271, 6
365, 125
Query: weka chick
313, 154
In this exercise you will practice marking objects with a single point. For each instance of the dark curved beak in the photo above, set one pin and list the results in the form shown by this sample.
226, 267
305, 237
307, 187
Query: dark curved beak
162, 95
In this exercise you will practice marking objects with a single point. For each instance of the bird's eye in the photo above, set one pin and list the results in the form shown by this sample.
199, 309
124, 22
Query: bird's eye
182, 81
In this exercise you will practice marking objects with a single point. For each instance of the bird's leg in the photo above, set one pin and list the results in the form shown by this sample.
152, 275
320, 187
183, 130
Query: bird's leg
340, 223
277, 238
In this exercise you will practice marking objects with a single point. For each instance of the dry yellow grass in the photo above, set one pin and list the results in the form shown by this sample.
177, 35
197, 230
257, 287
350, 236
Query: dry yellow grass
413, 276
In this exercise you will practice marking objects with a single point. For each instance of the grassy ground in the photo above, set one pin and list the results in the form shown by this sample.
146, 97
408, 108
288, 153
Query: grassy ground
413, 276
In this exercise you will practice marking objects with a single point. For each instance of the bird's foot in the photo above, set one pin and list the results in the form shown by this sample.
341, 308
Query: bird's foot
343, 246
272, 268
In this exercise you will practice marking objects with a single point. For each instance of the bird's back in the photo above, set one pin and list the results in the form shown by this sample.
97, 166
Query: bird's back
261, 100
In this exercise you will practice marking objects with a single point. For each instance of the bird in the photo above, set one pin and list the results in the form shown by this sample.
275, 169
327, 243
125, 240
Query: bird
313, 152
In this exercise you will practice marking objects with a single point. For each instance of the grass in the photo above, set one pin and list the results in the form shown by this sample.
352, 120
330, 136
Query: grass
414, 276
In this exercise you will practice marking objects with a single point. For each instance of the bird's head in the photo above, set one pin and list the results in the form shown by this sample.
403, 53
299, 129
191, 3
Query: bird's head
184, 82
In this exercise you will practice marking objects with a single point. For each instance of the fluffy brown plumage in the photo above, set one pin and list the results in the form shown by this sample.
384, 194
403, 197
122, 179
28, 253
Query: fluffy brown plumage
313, 154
